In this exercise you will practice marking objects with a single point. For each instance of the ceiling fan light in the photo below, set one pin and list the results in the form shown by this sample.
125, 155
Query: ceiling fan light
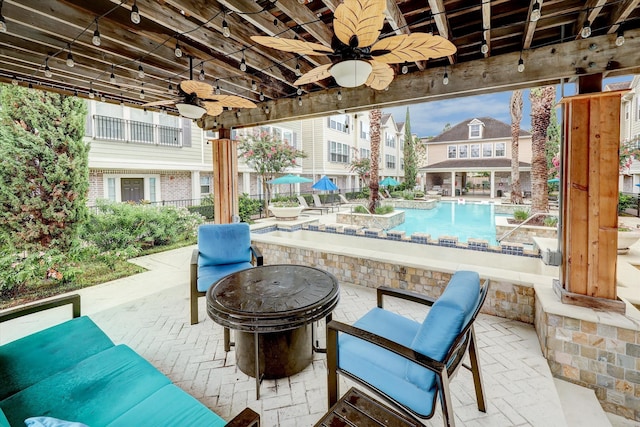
190, 111
351, 73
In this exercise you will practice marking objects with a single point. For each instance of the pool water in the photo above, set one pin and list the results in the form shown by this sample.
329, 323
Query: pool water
469, 220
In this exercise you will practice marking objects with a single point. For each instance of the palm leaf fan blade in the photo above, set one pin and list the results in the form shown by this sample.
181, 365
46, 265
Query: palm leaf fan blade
381, 75
202, 90
360, 18
213, 108
296, 46
412, 47
233, 101
164, 102
314, 75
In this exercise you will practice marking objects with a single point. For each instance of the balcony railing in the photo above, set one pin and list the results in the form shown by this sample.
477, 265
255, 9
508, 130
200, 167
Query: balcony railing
114, 129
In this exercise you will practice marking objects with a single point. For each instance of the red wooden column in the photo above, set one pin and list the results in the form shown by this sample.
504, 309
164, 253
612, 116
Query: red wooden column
590, 197
225, 178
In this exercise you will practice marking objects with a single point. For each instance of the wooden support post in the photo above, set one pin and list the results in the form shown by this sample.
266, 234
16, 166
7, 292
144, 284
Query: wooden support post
225, 178
590, 195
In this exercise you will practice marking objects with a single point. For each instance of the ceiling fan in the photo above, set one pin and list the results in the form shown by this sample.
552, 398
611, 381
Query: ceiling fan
197, 98
358, 57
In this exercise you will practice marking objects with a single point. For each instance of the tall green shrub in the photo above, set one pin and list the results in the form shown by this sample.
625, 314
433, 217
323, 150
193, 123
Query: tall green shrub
44, 174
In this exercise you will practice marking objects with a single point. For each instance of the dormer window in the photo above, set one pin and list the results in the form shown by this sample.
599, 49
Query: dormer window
476, 129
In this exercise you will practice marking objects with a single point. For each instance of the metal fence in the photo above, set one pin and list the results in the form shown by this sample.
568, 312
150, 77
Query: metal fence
114, 129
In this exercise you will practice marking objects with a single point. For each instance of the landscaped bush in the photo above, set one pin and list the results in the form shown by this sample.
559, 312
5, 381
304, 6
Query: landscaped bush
248, 207
118, 226
383, 210
550, 221
205, 208
520, 214
360, 210
626, 201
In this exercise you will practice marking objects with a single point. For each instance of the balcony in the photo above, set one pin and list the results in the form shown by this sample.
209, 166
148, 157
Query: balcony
115, 129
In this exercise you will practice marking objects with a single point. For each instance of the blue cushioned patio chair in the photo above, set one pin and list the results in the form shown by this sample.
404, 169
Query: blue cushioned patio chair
222, 249
407, 363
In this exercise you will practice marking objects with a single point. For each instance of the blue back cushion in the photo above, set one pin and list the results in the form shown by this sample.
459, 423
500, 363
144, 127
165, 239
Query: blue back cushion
224, 244
446, 319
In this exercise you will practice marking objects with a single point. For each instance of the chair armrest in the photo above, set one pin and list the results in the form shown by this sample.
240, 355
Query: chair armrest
403, 294
194, 256
246, 418
74, 300
399, 349
257, 255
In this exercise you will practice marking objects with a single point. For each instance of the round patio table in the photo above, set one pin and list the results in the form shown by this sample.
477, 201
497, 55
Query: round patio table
272, 309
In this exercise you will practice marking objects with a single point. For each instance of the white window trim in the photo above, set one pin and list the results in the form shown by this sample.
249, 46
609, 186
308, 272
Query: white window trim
118, 177
455, 147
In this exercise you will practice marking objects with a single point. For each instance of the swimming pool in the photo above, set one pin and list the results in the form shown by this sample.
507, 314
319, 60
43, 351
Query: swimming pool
469, 220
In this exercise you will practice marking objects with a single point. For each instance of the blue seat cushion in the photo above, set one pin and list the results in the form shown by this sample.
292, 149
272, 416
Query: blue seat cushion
384, 369
169, 406
208, 275
224, 244
95, 391
447, 317
33, 358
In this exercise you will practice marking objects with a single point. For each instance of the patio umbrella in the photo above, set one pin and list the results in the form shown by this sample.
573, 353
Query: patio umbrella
553, 180
388, 182
324, 184
289, 179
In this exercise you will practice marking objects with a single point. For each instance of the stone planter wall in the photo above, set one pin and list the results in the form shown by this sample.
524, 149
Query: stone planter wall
368, 221
525, 233
412, 204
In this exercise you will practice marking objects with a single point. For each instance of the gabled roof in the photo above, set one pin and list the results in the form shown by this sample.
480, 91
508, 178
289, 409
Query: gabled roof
492, 129
384, 118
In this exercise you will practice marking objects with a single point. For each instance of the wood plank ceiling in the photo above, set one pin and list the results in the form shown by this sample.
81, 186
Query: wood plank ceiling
42, 33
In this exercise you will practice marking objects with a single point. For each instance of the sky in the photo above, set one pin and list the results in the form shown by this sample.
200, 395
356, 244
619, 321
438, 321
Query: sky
430, 118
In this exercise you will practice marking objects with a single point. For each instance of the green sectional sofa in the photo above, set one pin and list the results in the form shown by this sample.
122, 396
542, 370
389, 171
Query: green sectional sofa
74, 372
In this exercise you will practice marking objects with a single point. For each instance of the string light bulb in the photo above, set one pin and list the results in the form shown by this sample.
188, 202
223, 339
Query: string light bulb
135, 13
96, 36
535, 11
243, 63
298, 71
266, 109
339, 95
484, 48
112, 77
520, 64
14, 81
170, 88
299, 91
254, 85
404, 69
225, 29
70, 62
586, 30
47, 70
202, 74
142, 93
140, 72
620, 38
261, 96
445, 78
302, 1
177, 52
300, 101
91, 93
217, 89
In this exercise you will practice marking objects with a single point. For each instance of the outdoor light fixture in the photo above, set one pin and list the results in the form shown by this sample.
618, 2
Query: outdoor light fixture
404, 69
520, 65
91, 94
177, 52
266, 109
261, 96
225, 28
339, 95
142, 94
70, 62
202, 75
190, 111
243, 63
300, 101
535, 11
351, 73
620, 38
47, 70
14, 81
170, 88
484, 48
298, 71
586, 30
299, 91
254, 85
135, 13
96, 36
217, 91
140, 72
112, 78
445, 78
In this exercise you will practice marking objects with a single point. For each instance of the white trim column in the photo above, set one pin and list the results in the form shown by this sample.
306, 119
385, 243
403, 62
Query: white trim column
195, 185
492, 184
453, 184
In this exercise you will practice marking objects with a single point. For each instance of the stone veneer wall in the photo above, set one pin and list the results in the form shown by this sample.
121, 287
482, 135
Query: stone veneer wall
504, 299
598, 350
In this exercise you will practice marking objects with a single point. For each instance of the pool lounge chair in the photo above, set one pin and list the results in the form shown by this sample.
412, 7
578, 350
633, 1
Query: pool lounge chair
306, 206
344, 201
318, 203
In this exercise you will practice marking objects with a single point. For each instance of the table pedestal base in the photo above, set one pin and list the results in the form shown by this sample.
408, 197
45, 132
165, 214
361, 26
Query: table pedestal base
280, 354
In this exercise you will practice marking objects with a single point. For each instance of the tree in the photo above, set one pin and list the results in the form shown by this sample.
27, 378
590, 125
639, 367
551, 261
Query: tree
410, 157
268, 155
360, 166
542, 100
374, 129
515, 107
553, 146
44, 177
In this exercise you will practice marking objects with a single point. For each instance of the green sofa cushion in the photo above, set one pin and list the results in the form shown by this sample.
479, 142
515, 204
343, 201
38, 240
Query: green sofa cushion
96, 391
169, 406
35, 357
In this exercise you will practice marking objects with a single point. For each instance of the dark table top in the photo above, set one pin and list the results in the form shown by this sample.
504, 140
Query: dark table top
272, 298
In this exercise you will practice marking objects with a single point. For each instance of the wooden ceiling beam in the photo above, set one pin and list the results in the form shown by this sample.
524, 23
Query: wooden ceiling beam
590, 12
306, 19
620, 13
545, 65
396, 20
530, 26
332, 5
486, 24
439, 14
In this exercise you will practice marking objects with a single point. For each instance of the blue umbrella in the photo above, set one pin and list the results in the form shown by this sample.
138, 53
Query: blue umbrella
388, 182
289, 179
324, 184
553, 180
637, 185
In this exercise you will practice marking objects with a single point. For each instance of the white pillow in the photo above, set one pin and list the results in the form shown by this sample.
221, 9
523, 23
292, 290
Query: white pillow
51, 422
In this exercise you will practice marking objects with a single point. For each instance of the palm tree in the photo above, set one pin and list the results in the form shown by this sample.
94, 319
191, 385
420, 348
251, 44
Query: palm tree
374, 133
542, 100
515, 107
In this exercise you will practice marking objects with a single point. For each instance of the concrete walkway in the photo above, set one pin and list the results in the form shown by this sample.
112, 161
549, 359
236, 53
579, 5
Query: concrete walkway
149, 312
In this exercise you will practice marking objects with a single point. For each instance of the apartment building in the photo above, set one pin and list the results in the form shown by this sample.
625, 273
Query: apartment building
629, 131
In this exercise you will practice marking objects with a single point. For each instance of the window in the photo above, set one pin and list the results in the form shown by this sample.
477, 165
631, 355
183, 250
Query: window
627, 111
152, 190
390, 161
451, 152
638, 110
390, 140
364, 130
487, 150
463, 151
111, 189
474, 131
205, 185
339, 123
402, 164
500, 149
475, 151
338, 153
365, 153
